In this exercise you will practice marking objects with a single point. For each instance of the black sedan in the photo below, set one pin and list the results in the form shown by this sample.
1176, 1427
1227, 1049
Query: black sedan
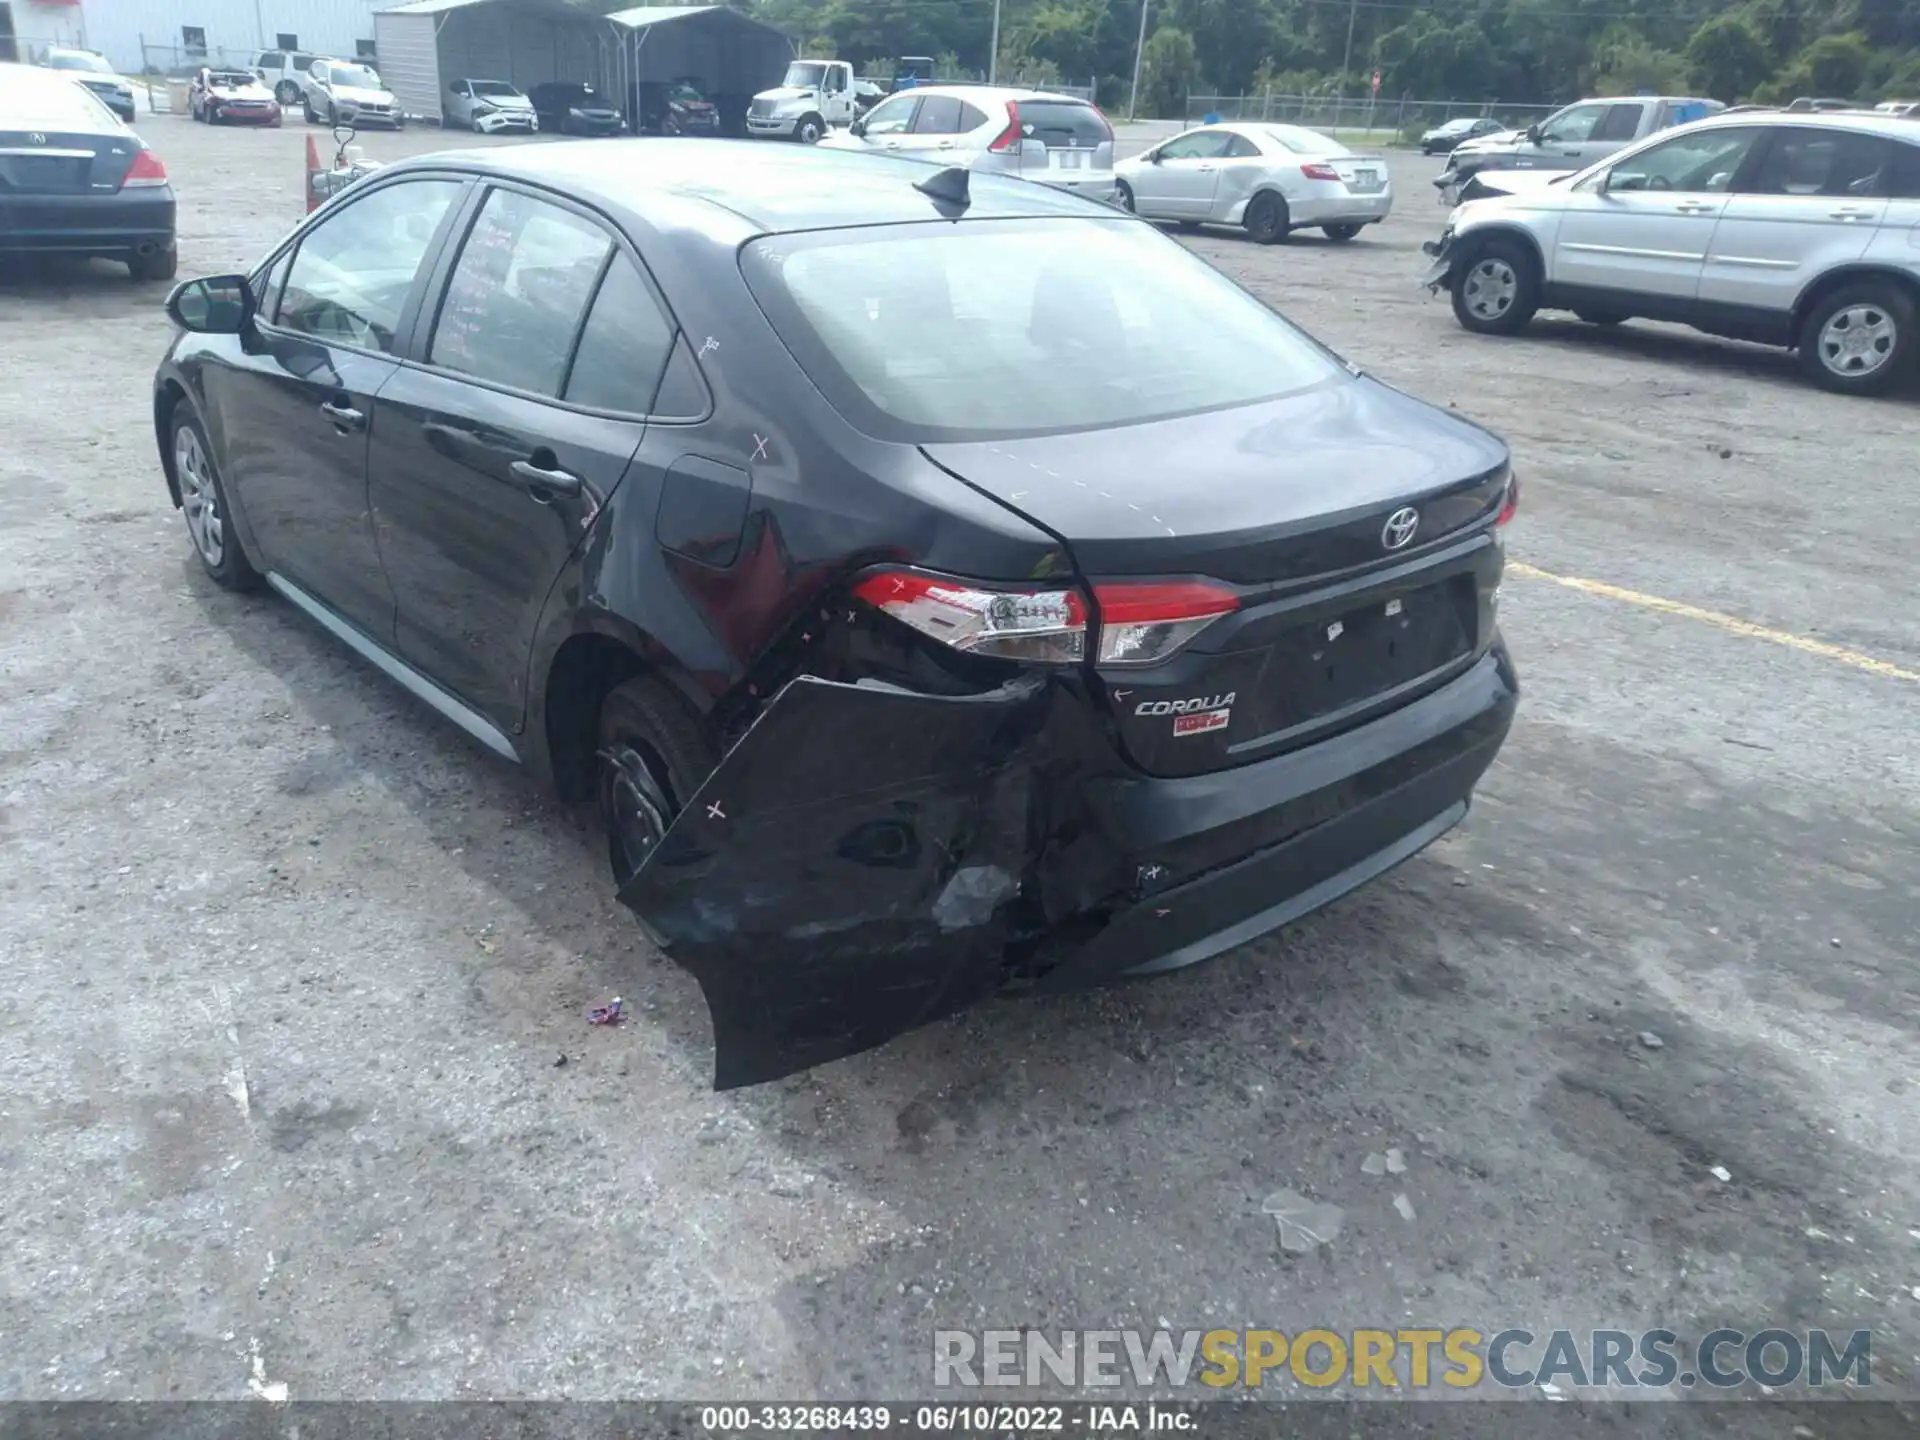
568, 108
75, 181
940, 583
1442, 139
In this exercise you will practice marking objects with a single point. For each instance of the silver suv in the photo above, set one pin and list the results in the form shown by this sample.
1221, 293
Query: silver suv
1798, 230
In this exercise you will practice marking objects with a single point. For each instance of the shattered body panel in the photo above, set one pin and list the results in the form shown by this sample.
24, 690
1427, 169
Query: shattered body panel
869, 859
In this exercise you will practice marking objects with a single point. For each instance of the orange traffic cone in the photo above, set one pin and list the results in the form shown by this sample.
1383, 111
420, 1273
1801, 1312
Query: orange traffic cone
313, 174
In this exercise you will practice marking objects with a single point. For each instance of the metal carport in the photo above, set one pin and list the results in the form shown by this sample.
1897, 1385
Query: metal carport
628, 55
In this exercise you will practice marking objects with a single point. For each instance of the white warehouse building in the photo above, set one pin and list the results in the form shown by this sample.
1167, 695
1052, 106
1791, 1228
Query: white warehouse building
168, 35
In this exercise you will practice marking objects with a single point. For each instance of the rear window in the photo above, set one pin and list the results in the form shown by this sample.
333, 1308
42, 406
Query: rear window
52, 103
999, 329
1306, 142
1062, 123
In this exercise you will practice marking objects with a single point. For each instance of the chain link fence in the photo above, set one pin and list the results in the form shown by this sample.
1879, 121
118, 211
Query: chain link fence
1404, 118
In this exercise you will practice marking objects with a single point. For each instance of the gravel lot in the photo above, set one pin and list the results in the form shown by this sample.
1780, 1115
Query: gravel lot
290, 966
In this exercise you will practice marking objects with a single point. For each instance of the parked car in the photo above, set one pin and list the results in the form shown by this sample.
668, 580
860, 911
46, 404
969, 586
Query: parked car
568, 107
487, 107
237, 96
1443, 138
1268, 179
346, 92
74, 180
1785, 229
934, 591
811, 98
685, 109
1571, 139
1056, 140
96, 73
285, 73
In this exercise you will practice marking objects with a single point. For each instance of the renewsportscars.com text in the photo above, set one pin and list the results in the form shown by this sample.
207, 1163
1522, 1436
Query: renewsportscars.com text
1401, 1358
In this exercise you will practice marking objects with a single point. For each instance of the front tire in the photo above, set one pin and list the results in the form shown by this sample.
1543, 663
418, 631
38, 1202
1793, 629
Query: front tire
653, 754
1858, 340
1123, 197
1496, 288
809, 130
1266, 221
1341, 233
203, 503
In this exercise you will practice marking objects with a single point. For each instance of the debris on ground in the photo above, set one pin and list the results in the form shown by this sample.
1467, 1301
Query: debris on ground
1392, 1163
1396, 1161
608, 1014
1721, 1173
1651, 1040
1303, 1223
1404, 1206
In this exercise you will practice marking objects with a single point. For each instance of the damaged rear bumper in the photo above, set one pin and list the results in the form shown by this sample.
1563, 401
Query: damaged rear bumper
868, 859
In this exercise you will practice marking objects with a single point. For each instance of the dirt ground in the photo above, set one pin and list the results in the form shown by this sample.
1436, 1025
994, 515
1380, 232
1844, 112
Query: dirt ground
291, 968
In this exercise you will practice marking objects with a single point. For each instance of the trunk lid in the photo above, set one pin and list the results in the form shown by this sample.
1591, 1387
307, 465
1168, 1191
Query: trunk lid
63, 162
1288, 502
1062, 139
1362, 174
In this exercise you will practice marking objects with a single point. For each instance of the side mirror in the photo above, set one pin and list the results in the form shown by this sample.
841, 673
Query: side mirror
215, 305
1153, 157
1532, 133
858, 128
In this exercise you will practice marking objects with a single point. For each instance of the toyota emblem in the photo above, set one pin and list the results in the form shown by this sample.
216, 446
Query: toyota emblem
1400, 527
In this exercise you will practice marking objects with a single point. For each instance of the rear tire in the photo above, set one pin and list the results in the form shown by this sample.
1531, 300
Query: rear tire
1266, 220
1858, 339
160, 265
1342, 233
653, 755
1496, 287
286, 92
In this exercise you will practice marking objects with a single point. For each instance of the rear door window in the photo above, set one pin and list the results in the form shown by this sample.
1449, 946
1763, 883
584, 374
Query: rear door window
1241, 148
939, 115
353, 271
624, 346
1834, 163
272, 60
1621, 122
517, 293
1903, 180
972, 117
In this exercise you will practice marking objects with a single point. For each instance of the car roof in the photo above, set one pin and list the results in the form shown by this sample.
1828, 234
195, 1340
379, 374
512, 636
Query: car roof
1001, 93
773, 188
1894, 127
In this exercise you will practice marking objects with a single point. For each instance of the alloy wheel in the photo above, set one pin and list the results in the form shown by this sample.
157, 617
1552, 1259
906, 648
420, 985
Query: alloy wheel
1857, 340
636, 808
1490, 288
199, 498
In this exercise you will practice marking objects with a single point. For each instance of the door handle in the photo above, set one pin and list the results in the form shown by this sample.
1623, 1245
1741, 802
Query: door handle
344, 416
1849, 212
1694, 207
944, 145
549, 482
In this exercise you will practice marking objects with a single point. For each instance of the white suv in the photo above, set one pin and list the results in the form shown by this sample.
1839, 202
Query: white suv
1056, 140
1800, 230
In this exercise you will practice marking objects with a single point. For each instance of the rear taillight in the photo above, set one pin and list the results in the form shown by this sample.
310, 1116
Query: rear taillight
1009, 138
145, 170
1140, 622
1105, 123
1511, 505
1317, 171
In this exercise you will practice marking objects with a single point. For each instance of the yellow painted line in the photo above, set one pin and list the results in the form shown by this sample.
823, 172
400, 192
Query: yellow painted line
1731, 624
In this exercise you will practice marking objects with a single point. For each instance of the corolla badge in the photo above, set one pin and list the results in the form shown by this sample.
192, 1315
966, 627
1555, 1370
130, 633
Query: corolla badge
1399, 528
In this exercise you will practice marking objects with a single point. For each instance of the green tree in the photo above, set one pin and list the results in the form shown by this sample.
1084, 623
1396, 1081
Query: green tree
1833, 65
1726, 58
1168, 68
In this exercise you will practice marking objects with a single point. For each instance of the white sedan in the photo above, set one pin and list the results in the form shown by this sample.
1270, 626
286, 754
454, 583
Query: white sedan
1271, 179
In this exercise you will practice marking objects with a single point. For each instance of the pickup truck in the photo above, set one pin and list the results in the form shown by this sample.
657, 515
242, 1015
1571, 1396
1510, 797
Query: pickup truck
1571, 139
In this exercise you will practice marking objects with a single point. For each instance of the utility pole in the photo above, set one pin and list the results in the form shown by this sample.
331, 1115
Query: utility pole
1133, 100
1353, 11
993, 59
